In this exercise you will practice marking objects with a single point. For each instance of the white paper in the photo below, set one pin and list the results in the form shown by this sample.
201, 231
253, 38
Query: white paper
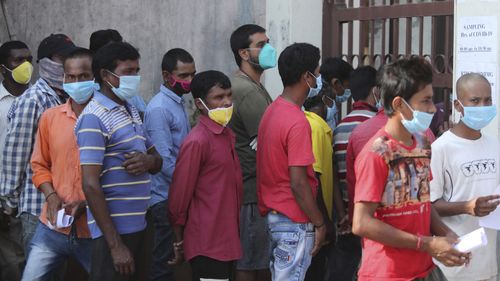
471, 241
62, 220
493, 219
477, 39
488, 70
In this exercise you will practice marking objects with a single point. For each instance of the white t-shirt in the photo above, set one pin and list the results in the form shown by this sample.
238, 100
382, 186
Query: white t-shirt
464, 169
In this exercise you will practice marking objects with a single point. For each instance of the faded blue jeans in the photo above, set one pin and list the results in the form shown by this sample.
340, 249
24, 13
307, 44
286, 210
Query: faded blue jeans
291, 245
50, 249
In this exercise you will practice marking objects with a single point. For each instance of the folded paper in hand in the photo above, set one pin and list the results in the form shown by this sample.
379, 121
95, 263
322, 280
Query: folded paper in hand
493, 219
471, 241
62, 220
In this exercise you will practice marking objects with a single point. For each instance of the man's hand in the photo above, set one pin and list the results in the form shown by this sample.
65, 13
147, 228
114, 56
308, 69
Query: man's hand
344, 226
483, 206
54, 204
442, 249
75, 208
319, 239
122, 259
137, 163
179, 254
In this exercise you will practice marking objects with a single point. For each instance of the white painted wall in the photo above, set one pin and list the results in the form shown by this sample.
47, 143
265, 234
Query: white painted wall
472, 8
288, 22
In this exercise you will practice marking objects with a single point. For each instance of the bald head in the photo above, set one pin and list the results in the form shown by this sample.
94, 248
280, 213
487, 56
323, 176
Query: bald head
472, 82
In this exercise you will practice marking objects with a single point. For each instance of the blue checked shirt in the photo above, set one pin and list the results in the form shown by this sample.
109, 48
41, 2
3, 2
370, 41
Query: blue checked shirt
16, 186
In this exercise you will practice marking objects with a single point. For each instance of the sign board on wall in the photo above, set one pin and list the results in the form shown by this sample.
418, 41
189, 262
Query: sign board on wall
476, 47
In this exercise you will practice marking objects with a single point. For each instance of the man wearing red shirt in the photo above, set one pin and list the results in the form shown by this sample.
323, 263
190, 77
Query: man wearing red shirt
286, 184
392, 209
358, 139
206, 190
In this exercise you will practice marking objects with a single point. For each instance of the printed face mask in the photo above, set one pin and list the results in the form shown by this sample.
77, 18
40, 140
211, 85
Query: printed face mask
179, 86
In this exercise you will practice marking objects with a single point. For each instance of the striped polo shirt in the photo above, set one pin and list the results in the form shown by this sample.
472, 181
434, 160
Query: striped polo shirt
361, 111
105, 132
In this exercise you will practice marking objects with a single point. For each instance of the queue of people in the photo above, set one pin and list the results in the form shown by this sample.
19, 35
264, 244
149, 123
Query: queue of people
257, 189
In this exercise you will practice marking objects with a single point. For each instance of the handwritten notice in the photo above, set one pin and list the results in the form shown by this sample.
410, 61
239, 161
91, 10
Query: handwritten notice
477, 39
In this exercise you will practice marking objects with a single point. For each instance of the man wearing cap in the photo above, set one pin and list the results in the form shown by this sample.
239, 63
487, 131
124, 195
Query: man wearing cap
16, 187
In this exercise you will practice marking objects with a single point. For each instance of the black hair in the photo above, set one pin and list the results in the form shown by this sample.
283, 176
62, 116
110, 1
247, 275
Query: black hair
79, 53
313, 102
295, 60
108, 56
403, 78
335, 68
100, 38
204, 81
363, 79
169, 62
240, 39
9, 46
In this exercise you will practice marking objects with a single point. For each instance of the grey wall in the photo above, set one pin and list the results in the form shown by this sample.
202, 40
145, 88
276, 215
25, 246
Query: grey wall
202, 27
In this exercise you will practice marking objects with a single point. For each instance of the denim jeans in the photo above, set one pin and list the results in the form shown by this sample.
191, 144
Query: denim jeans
163, 248
50, 249
291, 245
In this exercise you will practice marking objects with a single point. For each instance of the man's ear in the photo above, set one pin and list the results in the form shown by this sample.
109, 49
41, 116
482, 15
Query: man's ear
244, 54
458, 106
397, 104
3, 71
199, 105
166, 75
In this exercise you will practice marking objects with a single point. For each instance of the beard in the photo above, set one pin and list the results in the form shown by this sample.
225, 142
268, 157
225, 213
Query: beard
254, 62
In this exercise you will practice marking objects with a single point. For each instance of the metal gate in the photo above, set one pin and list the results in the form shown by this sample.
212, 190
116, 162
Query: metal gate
376, 32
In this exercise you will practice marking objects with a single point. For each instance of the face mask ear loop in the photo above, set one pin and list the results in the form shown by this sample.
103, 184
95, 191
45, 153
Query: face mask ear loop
202, 102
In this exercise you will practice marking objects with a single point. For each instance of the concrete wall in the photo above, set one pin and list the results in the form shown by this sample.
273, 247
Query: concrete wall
202, 27
287, 22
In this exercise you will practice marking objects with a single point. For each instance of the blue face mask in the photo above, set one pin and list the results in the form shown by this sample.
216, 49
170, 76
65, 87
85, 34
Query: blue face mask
478, 117
267, 57
378, 102
420, 122
129, 86
80, 92
344, 97
315, 91
331, 111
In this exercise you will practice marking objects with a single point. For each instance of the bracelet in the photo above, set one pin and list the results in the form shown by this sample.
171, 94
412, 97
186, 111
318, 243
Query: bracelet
52, 193
419, 241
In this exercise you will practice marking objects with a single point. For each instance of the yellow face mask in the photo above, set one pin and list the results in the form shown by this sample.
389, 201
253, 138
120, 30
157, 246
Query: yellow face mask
22, 73
220, 115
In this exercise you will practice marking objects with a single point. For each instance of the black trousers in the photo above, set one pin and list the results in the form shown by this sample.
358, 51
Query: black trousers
102, 267
205, 267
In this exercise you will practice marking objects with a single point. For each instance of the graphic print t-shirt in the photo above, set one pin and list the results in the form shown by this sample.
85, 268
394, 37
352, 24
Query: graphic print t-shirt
462, 170
397, 177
